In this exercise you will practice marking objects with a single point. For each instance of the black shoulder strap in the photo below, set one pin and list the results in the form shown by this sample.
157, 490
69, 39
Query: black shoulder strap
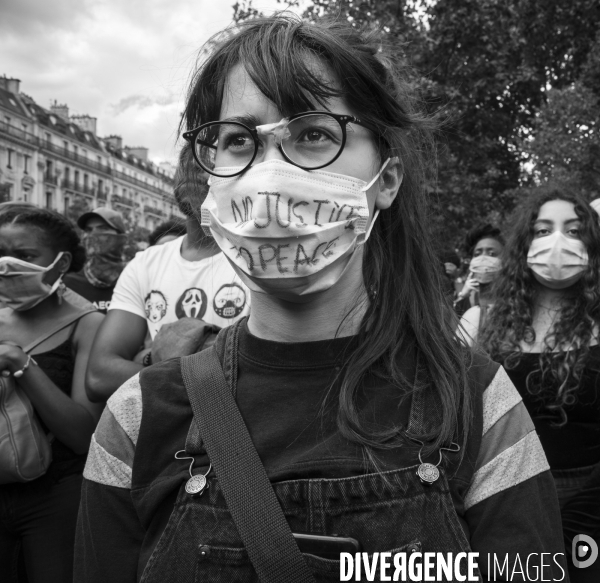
249, 495
60, 326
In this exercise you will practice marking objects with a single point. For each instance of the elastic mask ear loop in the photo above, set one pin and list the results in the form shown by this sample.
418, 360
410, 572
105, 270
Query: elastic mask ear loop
376, 213
376, 177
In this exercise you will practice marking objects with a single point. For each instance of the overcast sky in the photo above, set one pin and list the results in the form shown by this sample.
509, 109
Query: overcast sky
125, 62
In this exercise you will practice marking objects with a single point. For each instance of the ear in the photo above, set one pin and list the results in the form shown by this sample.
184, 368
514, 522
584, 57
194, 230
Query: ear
64, 262
389, 183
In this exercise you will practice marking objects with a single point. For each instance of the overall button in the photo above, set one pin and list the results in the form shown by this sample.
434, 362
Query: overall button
204, 552
414, 548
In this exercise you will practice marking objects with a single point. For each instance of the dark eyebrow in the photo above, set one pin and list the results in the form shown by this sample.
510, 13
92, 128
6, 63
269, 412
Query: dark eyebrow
549, 222
248, 120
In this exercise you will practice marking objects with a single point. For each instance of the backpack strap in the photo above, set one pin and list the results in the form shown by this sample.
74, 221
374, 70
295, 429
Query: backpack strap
60, 326
250, 498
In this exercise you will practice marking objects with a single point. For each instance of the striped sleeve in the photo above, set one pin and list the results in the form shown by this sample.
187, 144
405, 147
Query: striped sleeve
110, 459
510, 451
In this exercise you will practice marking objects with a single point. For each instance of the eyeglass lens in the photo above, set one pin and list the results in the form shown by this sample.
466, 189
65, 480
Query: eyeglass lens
310, 141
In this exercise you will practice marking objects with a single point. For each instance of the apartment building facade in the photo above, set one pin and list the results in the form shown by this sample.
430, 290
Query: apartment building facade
58, 161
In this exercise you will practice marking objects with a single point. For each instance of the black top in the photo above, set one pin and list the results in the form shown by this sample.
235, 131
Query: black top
99, 296
576, 444
59, 366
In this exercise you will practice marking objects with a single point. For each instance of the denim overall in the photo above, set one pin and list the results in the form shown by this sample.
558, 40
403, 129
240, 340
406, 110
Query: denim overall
391, 511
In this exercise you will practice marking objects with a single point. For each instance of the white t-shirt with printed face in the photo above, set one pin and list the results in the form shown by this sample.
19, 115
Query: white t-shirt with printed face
162, 287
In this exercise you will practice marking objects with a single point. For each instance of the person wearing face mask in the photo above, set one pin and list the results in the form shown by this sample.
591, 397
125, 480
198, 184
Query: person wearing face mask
169, 299
37, 248
371, 422
483, 245
544, 328
104, 240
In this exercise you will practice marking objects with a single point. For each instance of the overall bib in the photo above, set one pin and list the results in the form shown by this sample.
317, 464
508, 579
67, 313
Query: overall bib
391, 511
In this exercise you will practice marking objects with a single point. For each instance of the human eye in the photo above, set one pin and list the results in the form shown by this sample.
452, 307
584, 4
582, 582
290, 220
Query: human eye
574, 232
234, 139
315, 131
238, 141
541, 232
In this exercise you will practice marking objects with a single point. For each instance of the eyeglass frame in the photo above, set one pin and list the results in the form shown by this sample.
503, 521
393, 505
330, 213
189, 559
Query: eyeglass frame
343, 119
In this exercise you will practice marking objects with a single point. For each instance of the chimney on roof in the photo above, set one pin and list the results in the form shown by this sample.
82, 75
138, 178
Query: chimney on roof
10, 84
60, 109
85, 122
139, 152
115, 141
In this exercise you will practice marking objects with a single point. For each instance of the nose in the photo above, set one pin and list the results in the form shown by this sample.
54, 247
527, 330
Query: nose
271, 136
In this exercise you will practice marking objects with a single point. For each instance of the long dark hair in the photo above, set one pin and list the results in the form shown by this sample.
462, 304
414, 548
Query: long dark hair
406, 305
558, 374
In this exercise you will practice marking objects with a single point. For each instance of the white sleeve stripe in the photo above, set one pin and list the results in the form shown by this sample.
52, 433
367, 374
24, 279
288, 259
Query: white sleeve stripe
126, 407
524, 460
499, 397
103, 468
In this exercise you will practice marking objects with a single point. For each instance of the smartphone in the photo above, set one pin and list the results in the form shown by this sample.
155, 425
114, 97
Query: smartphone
326, 547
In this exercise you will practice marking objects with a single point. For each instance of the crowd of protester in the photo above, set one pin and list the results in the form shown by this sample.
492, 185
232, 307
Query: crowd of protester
326, 386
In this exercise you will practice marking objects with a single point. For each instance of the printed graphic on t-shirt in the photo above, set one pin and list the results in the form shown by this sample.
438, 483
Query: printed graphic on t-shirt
162, 287
155, 305
229, 301
191, 304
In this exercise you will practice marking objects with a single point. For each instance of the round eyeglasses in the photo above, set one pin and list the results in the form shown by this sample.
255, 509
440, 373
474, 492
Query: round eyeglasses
309, 140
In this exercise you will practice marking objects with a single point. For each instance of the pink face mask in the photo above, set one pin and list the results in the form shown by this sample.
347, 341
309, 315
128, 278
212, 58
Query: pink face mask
557, 261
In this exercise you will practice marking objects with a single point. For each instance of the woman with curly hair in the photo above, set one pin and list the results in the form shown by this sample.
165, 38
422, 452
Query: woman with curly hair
38, 518
544, 328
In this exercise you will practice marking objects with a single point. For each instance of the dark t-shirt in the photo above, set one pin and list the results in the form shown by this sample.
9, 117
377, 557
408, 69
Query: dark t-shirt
575, 444
287, 393
98, 296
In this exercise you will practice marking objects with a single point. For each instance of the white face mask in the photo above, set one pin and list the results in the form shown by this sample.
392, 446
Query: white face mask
485, 268
23, 285
286, 230
557, 261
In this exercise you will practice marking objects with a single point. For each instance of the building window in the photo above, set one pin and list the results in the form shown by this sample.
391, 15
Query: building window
10, 158
49, 200
76, 178
75, 149
66, 146
7, 120
24, 127
100, 186
85, 180
48, 139
66, 209
26, 164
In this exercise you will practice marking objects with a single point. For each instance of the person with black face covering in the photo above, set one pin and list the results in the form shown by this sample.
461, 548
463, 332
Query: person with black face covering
174, 293
104, 240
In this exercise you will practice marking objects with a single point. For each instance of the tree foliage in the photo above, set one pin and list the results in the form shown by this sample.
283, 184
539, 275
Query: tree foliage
499, 75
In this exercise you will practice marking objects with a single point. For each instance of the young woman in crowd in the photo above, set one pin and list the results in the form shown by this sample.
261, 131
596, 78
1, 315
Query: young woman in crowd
38, 518
483, 247
347, 372
544, 329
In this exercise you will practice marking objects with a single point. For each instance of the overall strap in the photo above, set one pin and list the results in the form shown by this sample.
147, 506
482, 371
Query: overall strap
60, 326
250, 498
425, 407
